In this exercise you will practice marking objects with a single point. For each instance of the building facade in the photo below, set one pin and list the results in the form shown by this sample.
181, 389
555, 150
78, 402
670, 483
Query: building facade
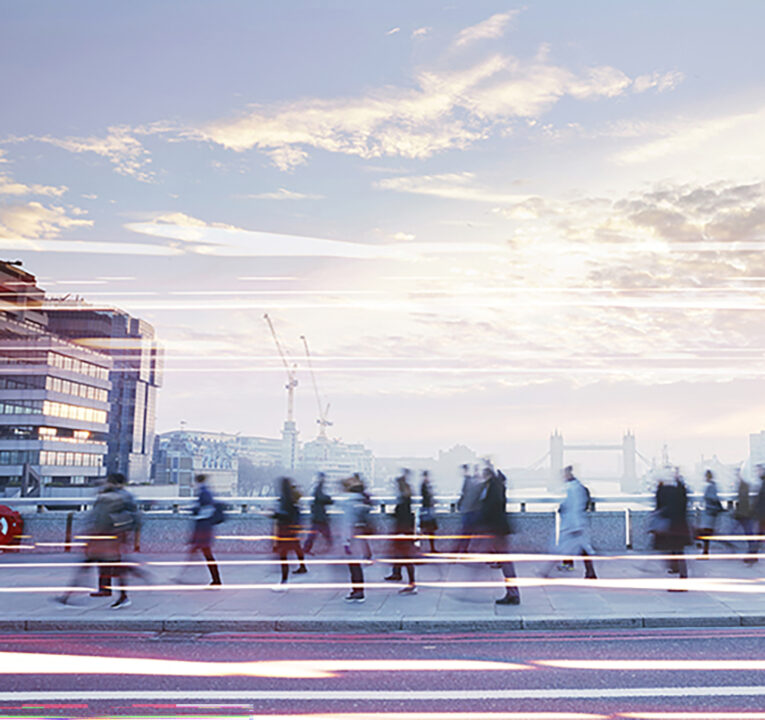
136, 377
54, 396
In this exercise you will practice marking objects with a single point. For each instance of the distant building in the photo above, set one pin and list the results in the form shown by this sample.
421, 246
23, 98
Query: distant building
181, 454
337, 459
136, 377
54, 405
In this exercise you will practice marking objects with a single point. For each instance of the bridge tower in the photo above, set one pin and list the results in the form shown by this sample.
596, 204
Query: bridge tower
556, 461
629, 479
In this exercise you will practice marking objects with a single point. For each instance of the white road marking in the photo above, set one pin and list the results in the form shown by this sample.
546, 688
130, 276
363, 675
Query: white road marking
379, 695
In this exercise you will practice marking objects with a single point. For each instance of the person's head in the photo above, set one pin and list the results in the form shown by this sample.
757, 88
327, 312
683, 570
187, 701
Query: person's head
320, 478
568, 473
425, 476
709, 476
465, 469
116, 479
200, 479
487, 473
402, 485
354, 483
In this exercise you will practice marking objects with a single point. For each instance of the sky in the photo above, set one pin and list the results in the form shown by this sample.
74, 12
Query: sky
490, 220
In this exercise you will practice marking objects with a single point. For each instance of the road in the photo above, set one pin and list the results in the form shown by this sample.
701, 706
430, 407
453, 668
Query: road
660, 675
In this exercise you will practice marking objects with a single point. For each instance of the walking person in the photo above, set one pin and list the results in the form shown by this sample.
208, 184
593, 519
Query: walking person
103, 547
743, 516
287, 516
574, 537
469, 506
495, 523
319, 517
205, 516
712, 508
759, 509
675, 533
403, 548
355, 522
428, 522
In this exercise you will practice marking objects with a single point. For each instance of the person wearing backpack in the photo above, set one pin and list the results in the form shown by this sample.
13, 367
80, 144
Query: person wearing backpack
355, 523
319, 517
574, 537
712, 508
205, 512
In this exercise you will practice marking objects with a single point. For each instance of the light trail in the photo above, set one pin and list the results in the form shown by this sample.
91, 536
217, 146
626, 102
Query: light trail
653, 665
19, 663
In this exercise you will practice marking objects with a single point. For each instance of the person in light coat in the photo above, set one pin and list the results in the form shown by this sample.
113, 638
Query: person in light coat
354, 523
574, 533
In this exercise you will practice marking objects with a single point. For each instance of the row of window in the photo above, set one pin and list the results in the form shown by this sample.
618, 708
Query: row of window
79, 366
56, 457
50, 457
42, 382
37, 432
72, 388
43, 357
56, 409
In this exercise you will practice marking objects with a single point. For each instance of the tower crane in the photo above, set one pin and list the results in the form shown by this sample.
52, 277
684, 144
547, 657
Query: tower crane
291, 378
323, 411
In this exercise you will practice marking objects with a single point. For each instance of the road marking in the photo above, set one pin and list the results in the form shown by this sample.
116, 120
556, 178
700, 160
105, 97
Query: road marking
382, 695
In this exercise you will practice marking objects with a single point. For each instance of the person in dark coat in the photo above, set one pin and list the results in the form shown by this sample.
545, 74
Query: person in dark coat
428, 522
495, 523
287, 516
744, 516
319, 517
672, 508
403, 548
203, 533
712, 508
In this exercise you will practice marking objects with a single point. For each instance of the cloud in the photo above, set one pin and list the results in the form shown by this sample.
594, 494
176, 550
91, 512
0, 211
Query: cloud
421, 32
448, 109
85, 246
494, 27
34, 220
452, 186
404, 237
9, 187
120, 147
283, 194
393, 31
661, 81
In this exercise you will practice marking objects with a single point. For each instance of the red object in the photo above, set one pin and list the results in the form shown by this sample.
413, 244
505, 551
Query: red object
11, 525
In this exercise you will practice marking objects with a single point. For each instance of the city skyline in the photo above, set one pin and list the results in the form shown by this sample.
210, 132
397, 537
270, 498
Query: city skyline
489, 221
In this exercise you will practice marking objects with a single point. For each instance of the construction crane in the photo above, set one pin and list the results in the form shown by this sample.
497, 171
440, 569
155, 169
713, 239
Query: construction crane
323, 412
291, 378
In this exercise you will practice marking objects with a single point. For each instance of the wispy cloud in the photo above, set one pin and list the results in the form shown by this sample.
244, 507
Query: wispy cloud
8, 186
393, 31
421, 31
452, 186
119, 146
493, 27
283, 194
34, 220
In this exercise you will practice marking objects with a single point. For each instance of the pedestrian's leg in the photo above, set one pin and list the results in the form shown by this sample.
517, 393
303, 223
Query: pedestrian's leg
311, 539
357, 579
285, 565
117, 574
589, 568
512, 594
212, 566
302, 569
395, 574
326, 533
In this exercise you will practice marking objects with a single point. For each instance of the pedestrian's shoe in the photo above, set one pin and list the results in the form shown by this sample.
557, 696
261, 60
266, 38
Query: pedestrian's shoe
215, 583
408, 590
355, 597
282, 587
101, 593
592, 576
122, 601
495, 565
394, 578
302, 570
62, 600
508, 600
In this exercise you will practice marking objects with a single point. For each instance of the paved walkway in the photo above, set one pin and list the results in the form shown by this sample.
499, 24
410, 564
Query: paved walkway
630, 592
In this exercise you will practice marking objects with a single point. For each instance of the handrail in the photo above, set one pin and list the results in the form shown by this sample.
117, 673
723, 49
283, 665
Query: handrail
260, 503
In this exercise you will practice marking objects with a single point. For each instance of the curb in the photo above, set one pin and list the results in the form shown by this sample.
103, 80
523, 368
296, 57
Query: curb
196, 625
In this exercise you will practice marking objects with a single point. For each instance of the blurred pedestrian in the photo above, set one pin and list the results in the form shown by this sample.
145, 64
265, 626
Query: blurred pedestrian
574, 531
759, 508
319, 517
206, 515
288, 527
712, 508
355, 522
403, 547
674, 532
102, 547
428, 522
743, 516
495, 523
469, 505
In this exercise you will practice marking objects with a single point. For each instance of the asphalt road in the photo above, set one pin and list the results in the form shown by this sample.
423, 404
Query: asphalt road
661, 675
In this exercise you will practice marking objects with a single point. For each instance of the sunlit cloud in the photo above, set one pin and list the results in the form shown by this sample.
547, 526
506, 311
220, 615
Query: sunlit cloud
451, 186
493, 27
393, 31
34, 220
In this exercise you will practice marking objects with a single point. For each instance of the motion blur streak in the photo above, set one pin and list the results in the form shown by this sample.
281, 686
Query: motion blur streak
694, 715
650, 665
50, 664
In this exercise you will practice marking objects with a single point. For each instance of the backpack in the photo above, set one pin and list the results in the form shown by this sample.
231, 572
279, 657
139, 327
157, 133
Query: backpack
588, 498
219, 514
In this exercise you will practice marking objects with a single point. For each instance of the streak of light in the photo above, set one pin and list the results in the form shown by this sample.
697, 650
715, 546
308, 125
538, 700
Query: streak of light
17, 547
95, 537
702, 715
61, 664
60, 544
729, 538
651, 665
267, 277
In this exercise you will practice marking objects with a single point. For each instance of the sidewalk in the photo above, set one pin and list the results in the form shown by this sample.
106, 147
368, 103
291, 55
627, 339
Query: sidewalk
451, 597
